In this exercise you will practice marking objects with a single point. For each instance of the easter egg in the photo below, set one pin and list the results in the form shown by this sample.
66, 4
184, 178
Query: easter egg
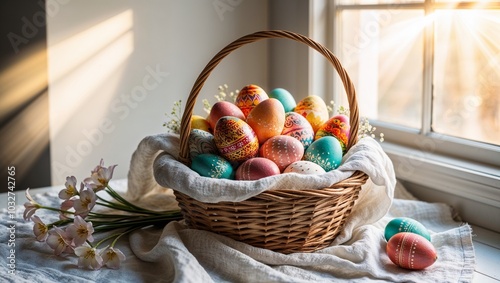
411, 251
405, 224
221, 109
326, 152
285, 97
198, 122
337, 126
201, 141
235, 139
283, 150
298, 127
213, 166
249, 97
314, 109
256, 168
267, 119
304, 167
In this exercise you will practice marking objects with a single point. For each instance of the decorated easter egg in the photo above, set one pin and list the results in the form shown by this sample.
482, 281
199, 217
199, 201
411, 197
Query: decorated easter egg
267, 119
298, 127
405, 224
337, 126
248, 97
304, 167
235, 139
285, 97
314, 109
283, 150
198, 122
256, 168
213, 166
411, 251
221, 109
326, 152
201, 141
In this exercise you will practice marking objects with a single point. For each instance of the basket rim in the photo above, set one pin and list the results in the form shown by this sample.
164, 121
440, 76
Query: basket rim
256, 36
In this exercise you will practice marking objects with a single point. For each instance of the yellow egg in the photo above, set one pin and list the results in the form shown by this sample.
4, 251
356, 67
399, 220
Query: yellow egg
267, 119
314, 109
200, 123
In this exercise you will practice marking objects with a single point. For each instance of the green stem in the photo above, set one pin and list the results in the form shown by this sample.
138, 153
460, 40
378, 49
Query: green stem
118, 197
55, 209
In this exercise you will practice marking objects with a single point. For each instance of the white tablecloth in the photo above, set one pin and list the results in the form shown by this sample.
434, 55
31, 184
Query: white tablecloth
178, 254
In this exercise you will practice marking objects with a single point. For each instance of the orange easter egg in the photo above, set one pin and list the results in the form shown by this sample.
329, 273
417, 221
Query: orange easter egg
267, 119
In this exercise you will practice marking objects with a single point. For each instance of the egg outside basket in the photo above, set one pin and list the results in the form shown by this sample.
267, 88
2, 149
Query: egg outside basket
285, 221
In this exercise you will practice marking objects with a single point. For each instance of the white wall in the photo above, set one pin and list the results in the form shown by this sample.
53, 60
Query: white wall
116, 67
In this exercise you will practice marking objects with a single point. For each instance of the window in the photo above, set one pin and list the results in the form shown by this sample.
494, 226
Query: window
427, 73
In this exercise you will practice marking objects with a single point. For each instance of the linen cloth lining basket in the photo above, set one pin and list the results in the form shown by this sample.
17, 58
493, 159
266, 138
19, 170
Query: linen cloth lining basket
285, 221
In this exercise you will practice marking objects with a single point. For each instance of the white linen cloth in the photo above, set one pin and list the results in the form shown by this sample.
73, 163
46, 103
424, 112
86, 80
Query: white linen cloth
176, 253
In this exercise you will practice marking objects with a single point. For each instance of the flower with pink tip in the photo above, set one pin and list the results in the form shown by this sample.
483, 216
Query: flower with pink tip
100, 177
59, 241
112, 258
86, 202
89, 257
30, 206
80, 231
40, 229
70, 189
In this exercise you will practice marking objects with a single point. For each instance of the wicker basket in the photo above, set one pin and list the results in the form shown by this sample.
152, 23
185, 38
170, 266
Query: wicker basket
285, 221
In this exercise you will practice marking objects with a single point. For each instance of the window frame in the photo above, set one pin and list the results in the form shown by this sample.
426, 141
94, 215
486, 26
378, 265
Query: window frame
454, 166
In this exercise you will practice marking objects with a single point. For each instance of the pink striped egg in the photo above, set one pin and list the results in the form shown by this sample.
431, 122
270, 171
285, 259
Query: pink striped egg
282, 150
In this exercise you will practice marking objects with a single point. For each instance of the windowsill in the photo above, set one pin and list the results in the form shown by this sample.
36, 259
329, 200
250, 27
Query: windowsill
459, 183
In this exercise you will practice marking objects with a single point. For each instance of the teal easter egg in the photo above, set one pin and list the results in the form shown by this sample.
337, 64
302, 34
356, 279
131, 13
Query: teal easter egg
405, 224
326, 152
200, 142
213, 166
284, 97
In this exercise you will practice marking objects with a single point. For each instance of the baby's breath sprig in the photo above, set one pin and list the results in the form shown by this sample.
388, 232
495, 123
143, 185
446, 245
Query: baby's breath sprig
365, 128
223, 95
174, 124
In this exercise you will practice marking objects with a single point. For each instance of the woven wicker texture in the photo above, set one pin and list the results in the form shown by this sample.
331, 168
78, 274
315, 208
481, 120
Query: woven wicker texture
281, 220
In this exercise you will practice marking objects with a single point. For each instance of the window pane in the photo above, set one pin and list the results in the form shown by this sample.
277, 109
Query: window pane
467, 74
382, 51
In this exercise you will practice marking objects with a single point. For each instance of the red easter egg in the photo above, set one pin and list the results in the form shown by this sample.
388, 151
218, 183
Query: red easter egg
256, 168
411, 251
221, 109
248, 97
235, 139
282, 150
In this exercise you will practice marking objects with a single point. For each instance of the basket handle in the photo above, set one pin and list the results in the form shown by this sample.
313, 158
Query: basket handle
200, 81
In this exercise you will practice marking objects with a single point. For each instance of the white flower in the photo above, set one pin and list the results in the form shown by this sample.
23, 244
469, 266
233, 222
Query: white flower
100, 177
70, 189
86, 202
40, 230
30, 206
113, 257
59, 241
80, 231
89, 257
